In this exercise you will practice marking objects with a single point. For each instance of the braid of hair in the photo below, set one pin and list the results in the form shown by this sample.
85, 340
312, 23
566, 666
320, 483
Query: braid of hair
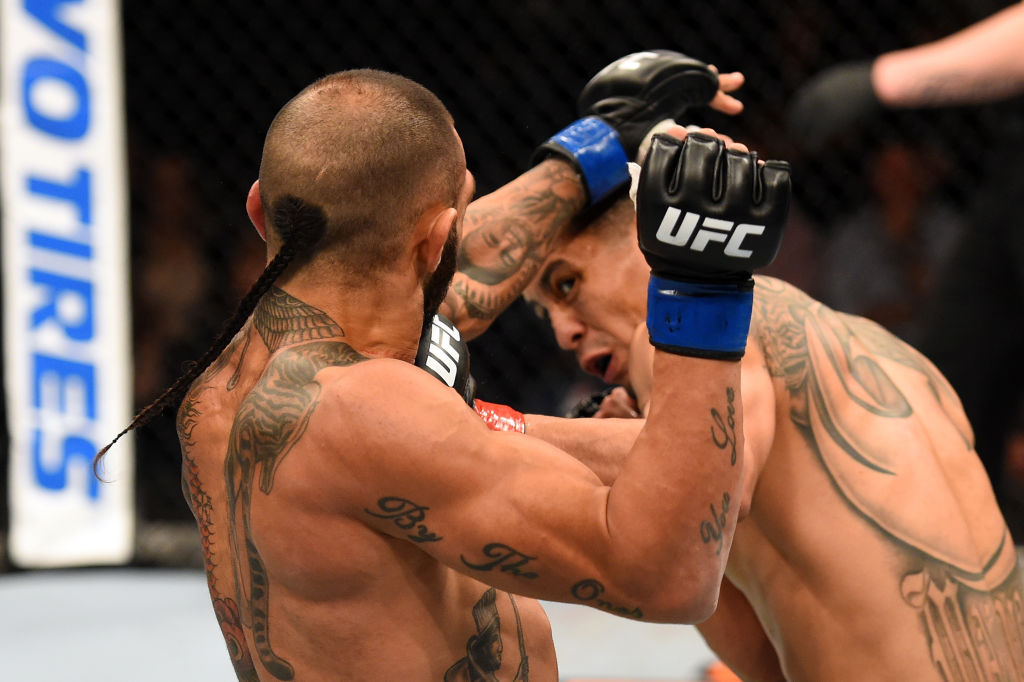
301, 226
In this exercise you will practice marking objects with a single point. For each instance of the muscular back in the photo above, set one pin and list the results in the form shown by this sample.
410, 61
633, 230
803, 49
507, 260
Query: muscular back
874, 549
302, 589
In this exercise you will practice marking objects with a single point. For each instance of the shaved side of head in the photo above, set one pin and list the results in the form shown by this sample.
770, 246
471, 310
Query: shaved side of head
370, 150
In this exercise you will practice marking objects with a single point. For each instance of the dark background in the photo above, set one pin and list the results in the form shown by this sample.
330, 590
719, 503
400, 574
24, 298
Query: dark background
204, 79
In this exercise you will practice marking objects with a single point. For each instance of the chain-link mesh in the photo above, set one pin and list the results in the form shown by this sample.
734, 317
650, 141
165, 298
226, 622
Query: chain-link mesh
205, 78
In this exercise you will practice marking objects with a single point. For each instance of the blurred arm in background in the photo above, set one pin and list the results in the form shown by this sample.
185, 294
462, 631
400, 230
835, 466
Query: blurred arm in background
981, 63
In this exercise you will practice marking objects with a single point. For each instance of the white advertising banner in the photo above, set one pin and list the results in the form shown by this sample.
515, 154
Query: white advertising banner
65, 282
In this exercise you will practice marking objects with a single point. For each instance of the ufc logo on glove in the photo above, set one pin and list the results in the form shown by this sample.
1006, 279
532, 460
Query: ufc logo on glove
676, 233
443, 355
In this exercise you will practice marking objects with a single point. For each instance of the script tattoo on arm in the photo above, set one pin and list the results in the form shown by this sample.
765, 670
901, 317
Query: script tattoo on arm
503, 558
723, 431
507, 235
714, 530
406, 515
589, 592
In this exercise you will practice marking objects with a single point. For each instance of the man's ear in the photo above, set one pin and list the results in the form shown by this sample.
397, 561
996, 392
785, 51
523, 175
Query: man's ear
438, 228
254, 207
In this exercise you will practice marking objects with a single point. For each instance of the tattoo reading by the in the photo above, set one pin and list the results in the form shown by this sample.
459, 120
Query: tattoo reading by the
589, 592
713, 530
406, 515
503, 558
723, 433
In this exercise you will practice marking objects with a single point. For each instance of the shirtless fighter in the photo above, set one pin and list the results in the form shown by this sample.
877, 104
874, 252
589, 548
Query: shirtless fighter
870, 546
359, 521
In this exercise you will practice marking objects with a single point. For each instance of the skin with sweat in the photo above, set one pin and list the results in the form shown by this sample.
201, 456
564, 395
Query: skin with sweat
870, 545
359, 521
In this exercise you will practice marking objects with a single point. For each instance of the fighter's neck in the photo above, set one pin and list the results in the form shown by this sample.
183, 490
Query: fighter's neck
372, 322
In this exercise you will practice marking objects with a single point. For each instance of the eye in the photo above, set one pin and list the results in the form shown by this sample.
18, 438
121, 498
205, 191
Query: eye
563, 287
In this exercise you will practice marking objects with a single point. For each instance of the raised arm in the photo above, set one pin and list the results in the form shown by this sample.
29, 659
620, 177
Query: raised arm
983, 62
508, 233
523, 515
506, 236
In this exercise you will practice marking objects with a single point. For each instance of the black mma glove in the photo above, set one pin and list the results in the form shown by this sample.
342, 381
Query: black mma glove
706, 218
444, 355
834, 100
620, 105
589, 406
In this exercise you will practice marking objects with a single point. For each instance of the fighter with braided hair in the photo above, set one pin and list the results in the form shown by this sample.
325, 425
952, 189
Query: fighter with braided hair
359, 520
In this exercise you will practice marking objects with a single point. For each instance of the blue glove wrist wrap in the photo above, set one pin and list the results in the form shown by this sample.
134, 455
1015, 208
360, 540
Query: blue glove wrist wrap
699, 319
595, 147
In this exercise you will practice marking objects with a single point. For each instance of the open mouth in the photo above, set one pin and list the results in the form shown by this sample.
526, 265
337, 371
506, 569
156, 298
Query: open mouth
598, 365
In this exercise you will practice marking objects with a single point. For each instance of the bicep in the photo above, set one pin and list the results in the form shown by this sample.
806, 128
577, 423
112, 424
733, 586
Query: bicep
504, 508
525, 516
601, 444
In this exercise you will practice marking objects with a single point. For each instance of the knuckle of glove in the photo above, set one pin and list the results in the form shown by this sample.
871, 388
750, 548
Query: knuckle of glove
638, 90
707, 213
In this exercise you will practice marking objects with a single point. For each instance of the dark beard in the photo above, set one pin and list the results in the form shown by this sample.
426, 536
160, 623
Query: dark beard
436, 286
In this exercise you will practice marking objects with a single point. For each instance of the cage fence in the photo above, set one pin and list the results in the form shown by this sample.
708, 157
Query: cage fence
203, 81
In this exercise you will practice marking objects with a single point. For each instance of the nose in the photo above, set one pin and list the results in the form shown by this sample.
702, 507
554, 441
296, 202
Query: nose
568, 328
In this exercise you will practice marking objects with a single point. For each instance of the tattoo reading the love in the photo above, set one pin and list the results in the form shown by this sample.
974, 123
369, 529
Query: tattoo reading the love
406, 515
503, 558
711, 531
723, 432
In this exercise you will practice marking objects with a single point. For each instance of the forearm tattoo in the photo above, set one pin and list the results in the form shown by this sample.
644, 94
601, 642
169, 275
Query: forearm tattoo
507, 236
723, 431
713, 531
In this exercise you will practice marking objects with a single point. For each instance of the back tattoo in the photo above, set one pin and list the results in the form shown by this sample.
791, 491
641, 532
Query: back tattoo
852, 387
269, 423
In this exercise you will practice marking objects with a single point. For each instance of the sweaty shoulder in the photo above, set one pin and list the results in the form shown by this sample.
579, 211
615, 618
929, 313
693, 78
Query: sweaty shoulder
389, 405
886, 425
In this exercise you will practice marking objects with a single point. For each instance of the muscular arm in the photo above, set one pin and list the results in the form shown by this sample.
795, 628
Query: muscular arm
506, 236
981, 63
601, 444
524, 516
